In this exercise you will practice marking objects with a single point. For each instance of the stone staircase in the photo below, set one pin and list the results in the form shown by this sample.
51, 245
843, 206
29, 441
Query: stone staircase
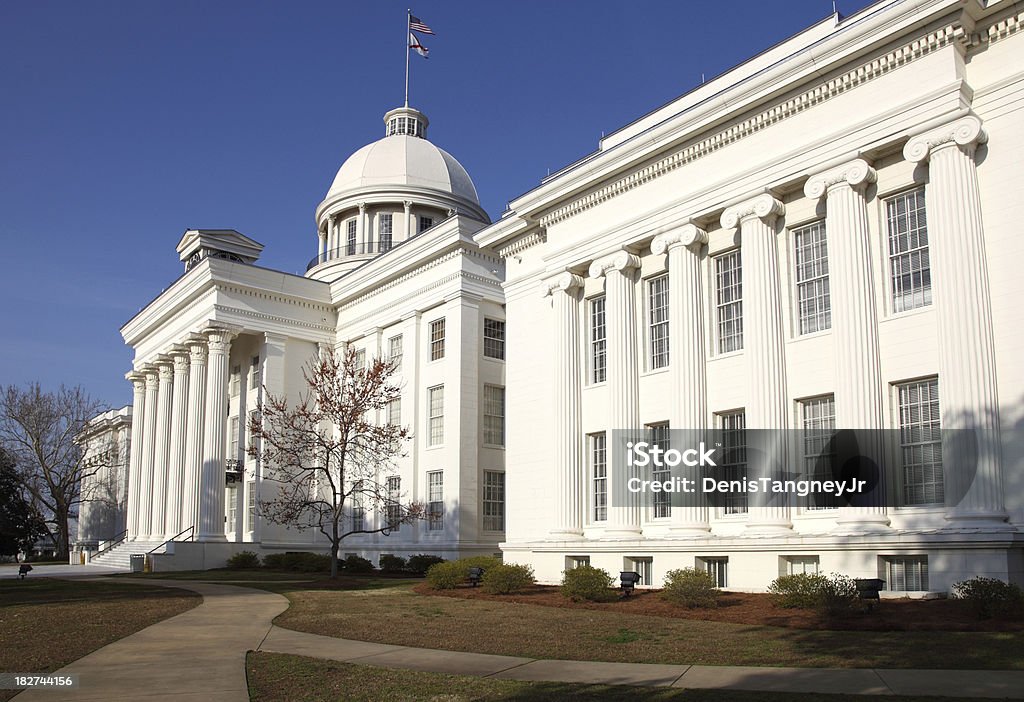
120, 556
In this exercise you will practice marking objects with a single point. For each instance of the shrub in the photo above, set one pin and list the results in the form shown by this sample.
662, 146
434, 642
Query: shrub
445, 575
419, 564
691, 587
507, 578
244, 560
587, 583
989, 597
391, 564
485, 562
802, 590
838, 594
298, 561
357, 564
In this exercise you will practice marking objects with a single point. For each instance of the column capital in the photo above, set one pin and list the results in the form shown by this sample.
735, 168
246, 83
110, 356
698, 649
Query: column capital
563, 282
407, 204
763, 206
689, 235
165, 367
137, 379
152, 374
180, 356
965, 131
218, 338
856, 173
618, 261
362, 207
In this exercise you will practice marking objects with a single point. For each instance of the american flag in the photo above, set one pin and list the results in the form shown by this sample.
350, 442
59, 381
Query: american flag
417, 25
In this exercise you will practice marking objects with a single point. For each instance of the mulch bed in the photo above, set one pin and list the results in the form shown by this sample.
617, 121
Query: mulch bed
757, 609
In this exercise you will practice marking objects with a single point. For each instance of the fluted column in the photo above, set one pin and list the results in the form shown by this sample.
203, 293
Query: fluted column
686, 355
858, 372
176, 454
968, 397
163, 445
564, 291
135, 461
764, 350
623, 387
410, 232
322, 241
211, 481
149, 441
194, 428
361, 228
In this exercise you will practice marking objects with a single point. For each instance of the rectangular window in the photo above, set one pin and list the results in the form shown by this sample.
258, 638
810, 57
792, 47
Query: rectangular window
494, 415
734, 457
598, 341
658, 435
393, 508
358, 516
718, 568
437, 339
812, 285
657, 304
599, 473
799, 565
254, 373
385, 232
644, 565
426, 223
232, 511
435, 500
360, 359
494, 338
395, 351
921, 443
576, 562
729, 301
435, 415
350, 248
235, 383
907, 573
395, 411
233, 438
818, 418
909, 267
250, 516
494, 501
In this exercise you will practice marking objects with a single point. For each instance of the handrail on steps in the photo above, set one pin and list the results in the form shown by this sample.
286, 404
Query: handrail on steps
118, 539
191, 536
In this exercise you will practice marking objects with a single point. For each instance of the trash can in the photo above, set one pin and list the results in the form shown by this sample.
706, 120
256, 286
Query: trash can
137, 562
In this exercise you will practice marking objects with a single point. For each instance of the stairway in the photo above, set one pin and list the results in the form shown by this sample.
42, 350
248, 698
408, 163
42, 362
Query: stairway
120, 556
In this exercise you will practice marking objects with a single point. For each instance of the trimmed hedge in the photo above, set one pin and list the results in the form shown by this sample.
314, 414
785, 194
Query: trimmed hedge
990, 598
391, 564
356, 564
244, 560
450, 574
298, 561
799, 591
507, 579
691, 587
587, 583
420, 563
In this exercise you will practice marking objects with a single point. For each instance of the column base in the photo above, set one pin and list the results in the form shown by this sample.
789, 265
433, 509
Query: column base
978, 519
861, 523
621, 533
690, 530
212, 538
769, 528
565, 535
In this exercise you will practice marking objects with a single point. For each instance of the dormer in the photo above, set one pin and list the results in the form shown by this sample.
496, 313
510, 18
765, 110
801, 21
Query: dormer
227, 244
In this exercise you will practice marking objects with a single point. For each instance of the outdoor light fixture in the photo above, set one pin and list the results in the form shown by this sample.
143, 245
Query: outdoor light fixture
475, 575
629, 581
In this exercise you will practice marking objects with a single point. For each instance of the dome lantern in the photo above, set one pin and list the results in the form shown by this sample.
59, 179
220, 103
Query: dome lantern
405, 121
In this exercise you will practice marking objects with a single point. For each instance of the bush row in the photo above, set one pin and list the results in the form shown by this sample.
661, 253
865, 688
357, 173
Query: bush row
305, 562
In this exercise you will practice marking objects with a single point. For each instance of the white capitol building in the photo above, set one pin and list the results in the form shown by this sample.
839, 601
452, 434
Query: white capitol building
827, 236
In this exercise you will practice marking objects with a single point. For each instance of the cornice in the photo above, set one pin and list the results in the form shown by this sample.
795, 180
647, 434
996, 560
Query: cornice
288, 321
522, 243
856, 173
966, 131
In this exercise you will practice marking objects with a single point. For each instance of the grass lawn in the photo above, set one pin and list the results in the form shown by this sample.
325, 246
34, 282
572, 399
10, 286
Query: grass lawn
224, 575
275, 677
47, 623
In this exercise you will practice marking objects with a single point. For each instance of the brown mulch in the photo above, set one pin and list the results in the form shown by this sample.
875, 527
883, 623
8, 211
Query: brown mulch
757, 609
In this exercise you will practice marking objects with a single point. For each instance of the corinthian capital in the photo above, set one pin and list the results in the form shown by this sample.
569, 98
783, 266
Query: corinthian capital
618, 261
563, 282
219, 338
689, 235
966, 132
137, 379
764, 207
856, 173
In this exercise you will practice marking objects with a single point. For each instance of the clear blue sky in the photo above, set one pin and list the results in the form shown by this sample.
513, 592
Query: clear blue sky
123, 123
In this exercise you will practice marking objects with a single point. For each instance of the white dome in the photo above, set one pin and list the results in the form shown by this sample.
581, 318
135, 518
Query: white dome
404, 161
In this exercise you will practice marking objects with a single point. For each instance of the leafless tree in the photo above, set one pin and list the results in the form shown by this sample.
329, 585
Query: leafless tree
39, 429
330, 455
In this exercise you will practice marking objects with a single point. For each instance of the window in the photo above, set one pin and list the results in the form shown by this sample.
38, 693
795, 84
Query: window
233, 438
351, 232
254, 373
598, 341
812, 291
717, 567
425, 224
395, 411
231, 518
657, 304
644, 565
734, 457
437, 339
729, 301
799, 565
494, 415
358, 514
818, 416
393, 508
657, 434
494, 338
395, 351
360, 359
435, 415
494, 500
921, 443
254, 418
435, 500
909, 267
235, 383
576, 562
385, 232
906, 573
250, 515
599, 471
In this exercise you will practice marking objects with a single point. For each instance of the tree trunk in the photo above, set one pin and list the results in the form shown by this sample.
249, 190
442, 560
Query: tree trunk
335, 545
63, 535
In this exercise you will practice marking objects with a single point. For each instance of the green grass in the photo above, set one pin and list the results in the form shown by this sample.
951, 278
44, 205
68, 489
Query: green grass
223, 575
275, 677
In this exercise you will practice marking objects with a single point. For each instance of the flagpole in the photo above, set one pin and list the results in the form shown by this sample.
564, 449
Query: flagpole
408, 21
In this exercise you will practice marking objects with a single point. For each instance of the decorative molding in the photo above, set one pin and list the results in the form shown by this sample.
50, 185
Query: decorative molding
522, 243
563, 282
689, 235
618, 261
272, 318
219, 339
856, 173
764, 207
1003, 28
966, 131
458, 275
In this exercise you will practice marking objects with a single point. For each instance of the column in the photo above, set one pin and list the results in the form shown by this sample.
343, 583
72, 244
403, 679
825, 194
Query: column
194, 433
361, 228
409, 231
686, 355
212, 476
619, 271
161, 456
570, 484
135, 460
764, 351
322, 241
968, 398
858, 371
148, 450
176, 455
333, 226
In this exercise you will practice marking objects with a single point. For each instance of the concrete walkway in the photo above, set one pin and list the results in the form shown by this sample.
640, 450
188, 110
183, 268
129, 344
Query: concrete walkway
199, 655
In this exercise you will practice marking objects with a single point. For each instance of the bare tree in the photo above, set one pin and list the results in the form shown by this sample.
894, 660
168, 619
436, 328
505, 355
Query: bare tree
39, 428
330, 456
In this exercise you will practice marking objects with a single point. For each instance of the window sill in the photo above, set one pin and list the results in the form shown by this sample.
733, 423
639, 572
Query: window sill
499, 447
729, 354
810, 335
893, 316
656, 371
